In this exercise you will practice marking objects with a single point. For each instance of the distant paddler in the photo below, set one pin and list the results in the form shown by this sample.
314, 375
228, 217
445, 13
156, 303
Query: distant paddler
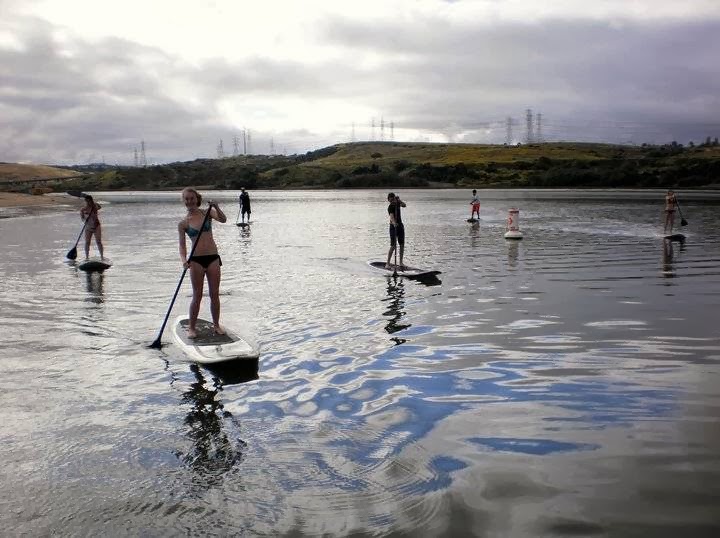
475, 203
397, 230
244, 204
89, 215
671, 205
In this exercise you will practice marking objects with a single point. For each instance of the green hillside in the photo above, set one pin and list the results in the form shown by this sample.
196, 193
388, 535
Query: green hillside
400, 164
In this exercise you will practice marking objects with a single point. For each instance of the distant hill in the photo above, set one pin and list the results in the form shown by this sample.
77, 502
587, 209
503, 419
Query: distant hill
400, 164
17, 173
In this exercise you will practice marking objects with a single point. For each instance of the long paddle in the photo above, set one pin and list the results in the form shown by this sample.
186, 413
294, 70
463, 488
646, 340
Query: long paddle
683, 222
157, 344
72, 253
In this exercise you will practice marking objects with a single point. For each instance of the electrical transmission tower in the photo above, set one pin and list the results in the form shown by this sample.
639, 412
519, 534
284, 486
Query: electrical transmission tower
272, 146
372, 130
236, 146
382, 128
392, 130
508, 131
244, 141
538, 131
249, 143
143, 158
220, 150
136, 158
530, 137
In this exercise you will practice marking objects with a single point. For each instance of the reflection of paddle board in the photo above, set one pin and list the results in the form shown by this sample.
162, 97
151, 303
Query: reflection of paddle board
211, 348
406, 271
675, 237
95, 264
242, 224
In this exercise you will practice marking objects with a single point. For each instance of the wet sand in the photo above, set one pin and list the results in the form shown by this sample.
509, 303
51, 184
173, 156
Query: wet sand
15, 204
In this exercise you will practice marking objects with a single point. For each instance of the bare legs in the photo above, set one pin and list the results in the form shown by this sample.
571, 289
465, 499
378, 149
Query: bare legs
669, 220
98, 241
390, 253
197, 278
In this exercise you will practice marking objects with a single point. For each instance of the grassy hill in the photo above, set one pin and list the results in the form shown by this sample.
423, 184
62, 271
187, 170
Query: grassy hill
17, 173
399, 164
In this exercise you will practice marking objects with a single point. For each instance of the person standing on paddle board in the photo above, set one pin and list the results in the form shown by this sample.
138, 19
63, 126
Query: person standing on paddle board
670, 206
475, 203
205, 261
244, 204
397, 228
89, 215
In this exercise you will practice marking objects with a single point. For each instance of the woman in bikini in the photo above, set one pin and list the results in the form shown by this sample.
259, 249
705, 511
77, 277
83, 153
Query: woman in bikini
89, 215
205, 260
670, 205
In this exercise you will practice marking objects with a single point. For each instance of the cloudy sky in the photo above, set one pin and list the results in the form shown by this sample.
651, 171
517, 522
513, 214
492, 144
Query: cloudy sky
88, 80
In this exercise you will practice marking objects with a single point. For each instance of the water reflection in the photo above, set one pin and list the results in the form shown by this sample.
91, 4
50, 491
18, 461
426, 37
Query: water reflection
474, 234
395, 309
214, 451
94, 282
513, 253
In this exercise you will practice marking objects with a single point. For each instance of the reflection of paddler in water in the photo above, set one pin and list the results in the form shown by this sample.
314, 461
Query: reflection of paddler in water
396, 302
668, 257
89, 215
513, 252
213, 453
94, 283
205, 261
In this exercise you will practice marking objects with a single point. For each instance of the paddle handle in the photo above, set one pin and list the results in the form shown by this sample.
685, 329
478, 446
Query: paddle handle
157, 342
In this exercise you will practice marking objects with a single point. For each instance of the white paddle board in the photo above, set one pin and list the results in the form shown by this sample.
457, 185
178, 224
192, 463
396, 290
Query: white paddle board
211, 348
95, 264
405, 270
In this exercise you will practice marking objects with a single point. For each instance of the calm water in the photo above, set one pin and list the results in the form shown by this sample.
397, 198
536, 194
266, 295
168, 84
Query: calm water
565, 385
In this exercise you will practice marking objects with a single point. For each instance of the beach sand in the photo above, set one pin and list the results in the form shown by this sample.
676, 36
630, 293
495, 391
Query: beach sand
15, 204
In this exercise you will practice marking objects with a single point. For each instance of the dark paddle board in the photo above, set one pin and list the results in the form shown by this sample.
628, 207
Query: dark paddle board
242, 224
675, 237
95, 264
405, 270
211, 348
473, 220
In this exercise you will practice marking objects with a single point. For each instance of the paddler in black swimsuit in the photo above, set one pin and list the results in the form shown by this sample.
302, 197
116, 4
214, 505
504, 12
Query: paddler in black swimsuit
397, 229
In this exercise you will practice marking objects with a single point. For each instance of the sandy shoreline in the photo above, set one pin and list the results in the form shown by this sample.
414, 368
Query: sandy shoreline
15, 204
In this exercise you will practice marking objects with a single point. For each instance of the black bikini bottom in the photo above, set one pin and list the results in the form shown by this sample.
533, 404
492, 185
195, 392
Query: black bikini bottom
205, 261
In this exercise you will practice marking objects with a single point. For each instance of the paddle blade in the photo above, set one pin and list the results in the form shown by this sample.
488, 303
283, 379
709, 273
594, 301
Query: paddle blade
72, 254
683, 222
78, 194
157, 344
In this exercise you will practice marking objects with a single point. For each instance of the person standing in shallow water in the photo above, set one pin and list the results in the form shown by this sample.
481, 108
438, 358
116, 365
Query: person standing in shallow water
89, 215
475, 203
397, 228
244, 204
670, 206
205, 261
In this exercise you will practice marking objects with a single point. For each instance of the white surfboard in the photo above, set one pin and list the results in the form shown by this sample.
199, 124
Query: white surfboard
211, 348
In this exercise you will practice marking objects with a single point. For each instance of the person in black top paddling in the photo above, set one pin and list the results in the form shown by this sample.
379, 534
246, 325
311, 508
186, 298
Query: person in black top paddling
397, 228
244, 204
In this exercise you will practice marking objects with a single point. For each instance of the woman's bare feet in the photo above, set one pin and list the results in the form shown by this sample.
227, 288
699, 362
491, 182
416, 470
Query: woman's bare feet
219, 330
192, 333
